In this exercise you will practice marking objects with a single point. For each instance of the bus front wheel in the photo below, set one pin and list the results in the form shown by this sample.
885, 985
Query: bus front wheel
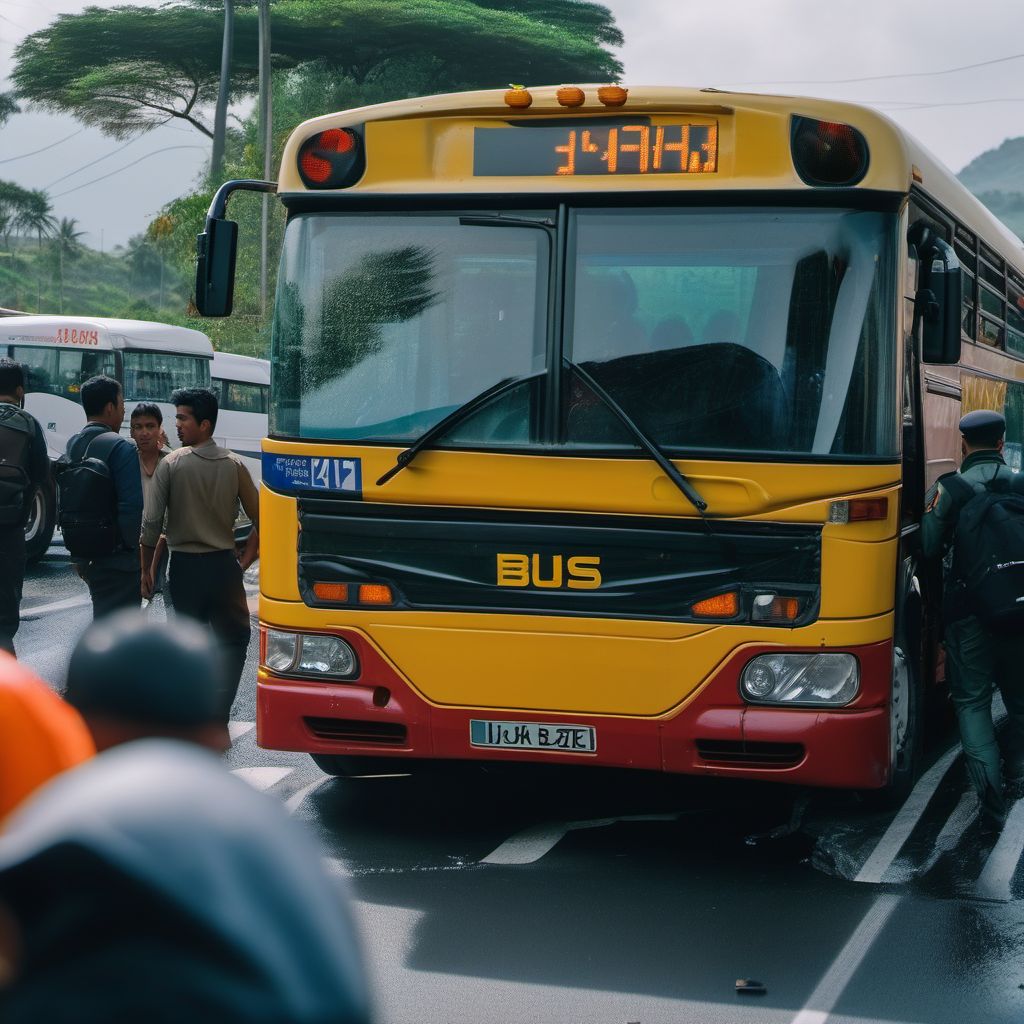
906, 711
42, 519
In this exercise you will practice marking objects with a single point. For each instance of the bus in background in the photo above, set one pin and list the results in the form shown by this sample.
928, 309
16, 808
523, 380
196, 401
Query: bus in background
242, 386
600, 432
60, 352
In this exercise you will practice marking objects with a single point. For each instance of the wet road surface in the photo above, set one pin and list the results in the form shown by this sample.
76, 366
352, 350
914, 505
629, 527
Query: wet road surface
530, 894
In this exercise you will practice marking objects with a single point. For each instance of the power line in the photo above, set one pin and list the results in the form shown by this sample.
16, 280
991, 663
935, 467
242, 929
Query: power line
103, 177
91, 163
880, 78
11, 159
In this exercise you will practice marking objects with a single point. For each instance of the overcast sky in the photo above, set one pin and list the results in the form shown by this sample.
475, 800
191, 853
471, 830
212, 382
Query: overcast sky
879, 52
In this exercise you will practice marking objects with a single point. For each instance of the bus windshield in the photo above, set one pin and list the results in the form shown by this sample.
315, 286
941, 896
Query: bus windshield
152, 376
733, 331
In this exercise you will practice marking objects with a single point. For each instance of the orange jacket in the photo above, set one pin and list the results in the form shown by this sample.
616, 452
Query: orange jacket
40, 735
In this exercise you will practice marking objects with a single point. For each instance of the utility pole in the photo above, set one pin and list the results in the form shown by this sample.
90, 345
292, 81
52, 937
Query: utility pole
266, 130
220, 117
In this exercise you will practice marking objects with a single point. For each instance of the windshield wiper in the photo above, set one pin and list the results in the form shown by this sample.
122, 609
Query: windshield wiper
646, 443
453, 418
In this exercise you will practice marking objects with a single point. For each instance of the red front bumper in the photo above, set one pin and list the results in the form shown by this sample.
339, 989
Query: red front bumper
715, 733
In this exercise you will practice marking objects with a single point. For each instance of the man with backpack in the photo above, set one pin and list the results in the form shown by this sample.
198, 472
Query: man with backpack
100, 501
24, 466
979, 514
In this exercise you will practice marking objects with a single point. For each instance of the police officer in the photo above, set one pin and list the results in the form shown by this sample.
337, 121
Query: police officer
978, 658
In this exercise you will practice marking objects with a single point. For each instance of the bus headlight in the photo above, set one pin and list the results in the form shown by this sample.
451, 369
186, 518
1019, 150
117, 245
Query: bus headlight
830, 679
309, 654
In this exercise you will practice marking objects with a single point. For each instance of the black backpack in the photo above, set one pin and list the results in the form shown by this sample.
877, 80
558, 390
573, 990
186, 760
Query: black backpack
17, 431
988, 549
87, 498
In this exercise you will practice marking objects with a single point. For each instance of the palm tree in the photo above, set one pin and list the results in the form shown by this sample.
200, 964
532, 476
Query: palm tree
36, 214
66, 240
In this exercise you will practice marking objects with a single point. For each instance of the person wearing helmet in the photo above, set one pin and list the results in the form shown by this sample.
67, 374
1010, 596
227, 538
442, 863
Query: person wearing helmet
131, 681
40, 736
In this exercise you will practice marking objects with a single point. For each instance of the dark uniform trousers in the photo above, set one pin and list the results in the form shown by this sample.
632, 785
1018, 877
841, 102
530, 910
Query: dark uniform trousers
12, 579
208, 587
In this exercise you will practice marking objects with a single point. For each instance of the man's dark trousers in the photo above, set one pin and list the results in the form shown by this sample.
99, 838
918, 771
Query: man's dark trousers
208, 587
12, 578
113, 587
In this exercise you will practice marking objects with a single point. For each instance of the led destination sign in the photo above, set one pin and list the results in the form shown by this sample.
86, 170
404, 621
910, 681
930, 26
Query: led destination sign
588, 147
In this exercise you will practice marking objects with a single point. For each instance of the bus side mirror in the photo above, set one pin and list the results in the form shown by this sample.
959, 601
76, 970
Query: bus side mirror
937, 304
216, 249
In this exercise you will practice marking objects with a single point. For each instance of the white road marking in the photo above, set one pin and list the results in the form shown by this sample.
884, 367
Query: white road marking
263, 777
236, 730
956, 824
528, 846
884, 853
880, 860
28, 614
833, 983
336, 867
294, 802
994, 881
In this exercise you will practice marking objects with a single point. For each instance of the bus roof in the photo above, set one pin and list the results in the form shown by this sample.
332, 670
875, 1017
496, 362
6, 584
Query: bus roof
103, 332
434, 134
248, 369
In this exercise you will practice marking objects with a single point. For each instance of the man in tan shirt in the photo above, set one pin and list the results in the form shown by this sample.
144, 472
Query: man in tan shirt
199, 487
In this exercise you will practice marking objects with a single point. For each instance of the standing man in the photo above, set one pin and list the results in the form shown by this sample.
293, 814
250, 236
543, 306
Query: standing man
114, 578
978, 657
24, 466
148, 434
199, 486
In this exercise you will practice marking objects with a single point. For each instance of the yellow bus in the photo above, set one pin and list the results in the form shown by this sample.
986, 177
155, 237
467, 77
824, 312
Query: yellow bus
601, 422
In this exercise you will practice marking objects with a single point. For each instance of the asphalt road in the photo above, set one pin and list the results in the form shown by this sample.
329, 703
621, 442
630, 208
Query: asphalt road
557, 895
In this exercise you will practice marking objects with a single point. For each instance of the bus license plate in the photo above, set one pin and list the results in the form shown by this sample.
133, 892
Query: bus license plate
558, 736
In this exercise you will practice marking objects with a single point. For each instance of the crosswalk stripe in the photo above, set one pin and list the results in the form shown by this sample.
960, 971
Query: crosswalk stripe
28, 614
995, 878
295, 801
262, 778
236, 730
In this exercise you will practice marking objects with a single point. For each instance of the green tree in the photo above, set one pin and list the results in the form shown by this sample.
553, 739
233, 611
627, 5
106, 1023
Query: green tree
150, 65
36, 214
8, 106
68, 247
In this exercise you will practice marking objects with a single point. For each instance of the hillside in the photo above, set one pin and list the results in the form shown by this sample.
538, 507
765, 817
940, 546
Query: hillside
996, 177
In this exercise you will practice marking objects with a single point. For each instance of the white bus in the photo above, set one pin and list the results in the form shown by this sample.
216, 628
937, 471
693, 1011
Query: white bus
242, 386
60, 352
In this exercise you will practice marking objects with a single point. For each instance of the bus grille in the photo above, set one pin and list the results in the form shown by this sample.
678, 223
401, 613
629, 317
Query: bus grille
352, 730
751, 755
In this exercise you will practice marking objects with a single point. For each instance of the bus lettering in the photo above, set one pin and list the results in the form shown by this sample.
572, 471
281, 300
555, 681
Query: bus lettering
578, 572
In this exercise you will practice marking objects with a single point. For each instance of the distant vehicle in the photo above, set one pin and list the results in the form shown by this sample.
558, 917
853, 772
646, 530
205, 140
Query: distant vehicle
242, 386
60, 352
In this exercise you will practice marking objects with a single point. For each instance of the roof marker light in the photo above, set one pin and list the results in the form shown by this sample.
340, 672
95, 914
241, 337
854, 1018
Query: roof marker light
332, 159
828, 153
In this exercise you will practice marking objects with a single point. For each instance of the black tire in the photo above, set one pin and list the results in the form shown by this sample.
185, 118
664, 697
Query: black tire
345, 766
907, 711
42, 519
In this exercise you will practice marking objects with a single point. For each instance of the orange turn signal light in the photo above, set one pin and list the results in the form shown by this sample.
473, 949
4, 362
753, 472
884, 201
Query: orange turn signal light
375, 593
721, 606
337, 592
787, 608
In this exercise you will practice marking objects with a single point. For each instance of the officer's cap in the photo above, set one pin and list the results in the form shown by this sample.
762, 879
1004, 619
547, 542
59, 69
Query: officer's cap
983, 426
